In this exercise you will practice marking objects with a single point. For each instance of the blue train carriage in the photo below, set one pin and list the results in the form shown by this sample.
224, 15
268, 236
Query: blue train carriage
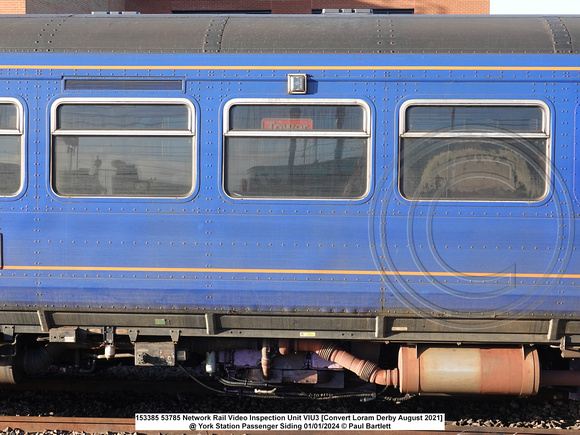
293, 203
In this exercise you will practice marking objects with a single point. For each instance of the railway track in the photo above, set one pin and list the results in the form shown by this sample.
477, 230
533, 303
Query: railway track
108, 405
127, 425
107, 385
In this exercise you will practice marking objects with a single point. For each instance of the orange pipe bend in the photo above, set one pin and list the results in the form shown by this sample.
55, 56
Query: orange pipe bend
328, 350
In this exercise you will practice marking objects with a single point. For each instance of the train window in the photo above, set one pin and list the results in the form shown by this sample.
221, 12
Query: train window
11, 147
127, 148
474, 150
300, 149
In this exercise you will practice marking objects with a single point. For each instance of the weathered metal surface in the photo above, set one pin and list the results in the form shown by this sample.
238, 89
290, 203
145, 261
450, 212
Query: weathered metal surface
288, 34
464, 370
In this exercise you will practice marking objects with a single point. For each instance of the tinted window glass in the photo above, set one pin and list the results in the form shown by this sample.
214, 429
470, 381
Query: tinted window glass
8, 116
489, 153
88, 161
123, 117
122, 166
474, 118
10, 150
296, 151
296, 168
10, 164
481, 169
296, 118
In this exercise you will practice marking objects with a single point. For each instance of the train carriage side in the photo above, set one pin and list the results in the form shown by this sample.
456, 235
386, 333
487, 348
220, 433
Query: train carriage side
296, 205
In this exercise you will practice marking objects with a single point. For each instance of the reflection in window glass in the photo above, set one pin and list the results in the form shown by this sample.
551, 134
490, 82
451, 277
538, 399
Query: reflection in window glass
122, 166
474, 118
301, 168
10, 150
496, 164
123, 117
8, 117
293, 117
295, 151
157, 164
484, 169
10, 164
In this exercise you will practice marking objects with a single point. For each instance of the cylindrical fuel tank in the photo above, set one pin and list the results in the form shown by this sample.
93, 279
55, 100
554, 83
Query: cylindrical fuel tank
426, 369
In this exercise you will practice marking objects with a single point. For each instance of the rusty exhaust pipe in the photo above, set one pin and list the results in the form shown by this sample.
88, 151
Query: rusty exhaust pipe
560, 378
366, 370
469, 370
441, 369
266, 361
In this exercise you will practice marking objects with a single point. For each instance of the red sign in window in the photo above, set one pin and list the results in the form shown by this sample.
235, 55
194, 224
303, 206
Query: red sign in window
286, 124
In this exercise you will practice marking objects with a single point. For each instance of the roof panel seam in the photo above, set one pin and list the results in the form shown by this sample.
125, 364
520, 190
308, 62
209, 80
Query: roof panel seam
213, 37
561, 38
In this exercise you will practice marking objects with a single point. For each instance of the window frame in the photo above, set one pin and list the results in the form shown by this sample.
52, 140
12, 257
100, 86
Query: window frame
545, 134
18, 131
190, 132
365, 133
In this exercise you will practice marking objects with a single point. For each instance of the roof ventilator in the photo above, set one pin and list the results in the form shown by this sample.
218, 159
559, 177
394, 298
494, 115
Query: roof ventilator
347, 11
115, 13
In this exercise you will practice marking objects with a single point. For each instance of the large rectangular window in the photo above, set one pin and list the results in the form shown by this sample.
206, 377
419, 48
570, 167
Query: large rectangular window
125, 148
474, 150
11, 147
298, 149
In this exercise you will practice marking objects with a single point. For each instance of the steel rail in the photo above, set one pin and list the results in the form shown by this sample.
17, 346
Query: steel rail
70, 424
127, 425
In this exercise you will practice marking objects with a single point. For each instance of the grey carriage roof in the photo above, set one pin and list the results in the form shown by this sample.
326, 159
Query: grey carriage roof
351, 33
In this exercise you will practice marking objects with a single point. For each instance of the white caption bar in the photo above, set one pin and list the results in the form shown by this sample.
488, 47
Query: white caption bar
279, 422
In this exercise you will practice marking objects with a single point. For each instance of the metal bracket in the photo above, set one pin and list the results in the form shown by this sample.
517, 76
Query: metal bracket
380, 326
568, 349
175, 333
67, 334
9, 350
109, 335
210, 323
155, 354
553, 329
42, 320
133, 334
8, 332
